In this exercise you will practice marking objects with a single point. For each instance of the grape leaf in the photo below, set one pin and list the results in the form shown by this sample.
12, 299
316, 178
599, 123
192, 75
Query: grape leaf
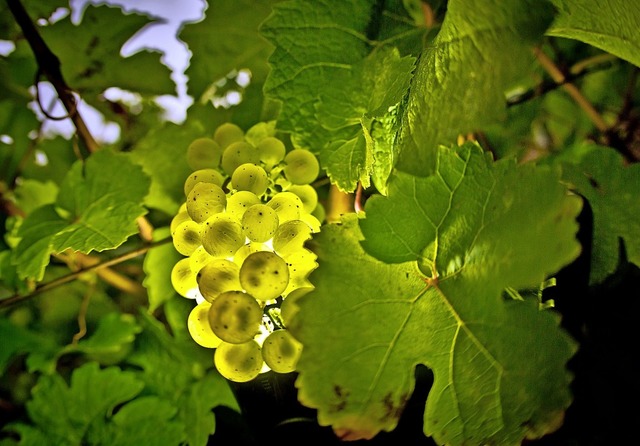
613, 26
66, 413
330, 45
228, 35
17, 340
611, 190
499, 366
157, 266
83, 50
96, 209
481, 49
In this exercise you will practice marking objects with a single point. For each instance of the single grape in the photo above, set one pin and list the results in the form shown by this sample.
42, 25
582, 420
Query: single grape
247, 249
227, 133
260, 131
311, 221
281, 351
202, 176
307, 195
186, 237
183, 279
290, 304
222, 235
239, 202
199, 258
236, 154
205, 200
250, 177
290, 237
271, 151
180, 217
238, 362
301, 166
301, 264
203, 153
235, 316
260, 223
199, 327
264, 275
319, 213
218, 276
287, 205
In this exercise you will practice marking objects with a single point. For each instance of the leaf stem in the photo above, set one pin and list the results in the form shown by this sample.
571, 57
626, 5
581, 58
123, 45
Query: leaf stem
16, 298
49, 66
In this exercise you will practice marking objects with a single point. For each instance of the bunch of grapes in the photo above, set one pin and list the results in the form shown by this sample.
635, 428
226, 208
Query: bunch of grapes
249, 210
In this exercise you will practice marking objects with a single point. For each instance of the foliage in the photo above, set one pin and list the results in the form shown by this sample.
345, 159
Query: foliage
473, 154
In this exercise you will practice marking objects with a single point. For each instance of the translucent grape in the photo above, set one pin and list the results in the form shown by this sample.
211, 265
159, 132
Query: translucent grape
281, 351
238, 362
205, 200
247, 249
180, 217
237, 154
260, 223
319, 212
235, 317
287, 205
202, 176
271, 151
186, 238
222, 235
259, 131
301, 264
250, 177
290, 237
227, 133
264, 275
199, 327
239, 202
289, 307
183, 279
311, 221
203, 153
217, 277
301, 166
307, 195
199, 258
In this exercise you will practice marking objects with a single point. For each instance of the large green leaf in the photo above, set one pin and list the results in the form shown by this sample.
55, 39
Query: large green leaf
90, 54
613, 26
333, 46
499, 366
460, 82
612, 190
96, 209
227, 36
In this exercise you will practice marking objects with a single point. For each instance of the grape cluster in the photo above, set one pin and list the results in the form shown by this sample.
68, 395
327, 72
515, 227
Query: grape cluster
249, 210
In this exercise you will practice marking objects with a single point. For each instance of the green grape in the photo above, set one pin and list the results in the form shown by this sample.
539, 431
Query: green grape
291, 237
183, 279
186, 237
319, 213
238, 362
205, 200
235, 317
260, 223
203, 153
199, 258
239, 202
218, 276
180, 217
202, 176
199, 327
281, 351
271, 151
260, 131
301, 166
249, 248
301, 264
222, 235
287, 205
227, 133
311, 221
264, 275
237, 154
250, 177
307, 195
290, 304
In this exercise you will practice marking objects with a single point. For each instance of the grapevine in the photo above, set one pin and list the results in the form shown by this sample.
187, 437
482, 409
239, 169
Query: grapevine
242, 229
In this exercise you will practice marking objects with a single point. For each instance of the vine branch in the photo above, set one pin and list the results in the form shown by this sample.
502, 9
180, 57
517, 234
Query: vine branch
49, 66
16, 298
